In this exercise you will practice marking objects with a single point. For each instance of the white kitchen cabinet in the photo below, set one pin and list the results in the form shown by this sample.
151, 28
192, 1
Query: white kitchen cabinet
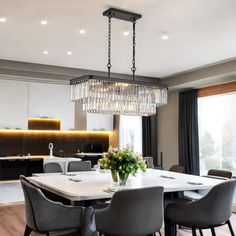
92, 122
13, 104
22, 100
99, 122
52, 100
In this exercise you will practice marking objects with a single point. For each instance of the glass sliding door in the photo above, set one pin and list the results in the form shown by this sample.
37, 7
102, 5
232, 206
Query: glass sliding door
130, 132
217, 132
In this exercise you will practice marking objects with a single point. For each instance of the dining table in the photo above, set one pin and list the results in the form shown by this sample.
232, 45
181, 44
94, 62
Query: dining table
94, 185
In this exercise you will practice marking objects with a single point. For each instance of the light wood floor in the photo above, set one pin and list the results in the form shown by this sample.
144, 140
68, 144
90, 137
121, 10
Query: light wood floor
12, 223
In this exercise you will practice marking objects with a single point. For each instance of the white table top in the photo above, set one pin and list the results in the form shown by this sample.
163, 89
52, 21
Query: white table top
93, 184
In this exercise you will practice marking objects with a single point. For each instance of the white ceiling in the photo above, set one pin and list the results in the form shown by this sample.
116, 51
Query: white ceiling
200, 32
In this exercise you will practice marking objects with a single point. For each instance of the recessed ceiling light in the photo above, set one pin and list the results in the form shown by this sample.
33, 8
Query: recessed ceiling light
69, 53
165, 36
45, 52
82, 31
126, 33
44, 22
2, 19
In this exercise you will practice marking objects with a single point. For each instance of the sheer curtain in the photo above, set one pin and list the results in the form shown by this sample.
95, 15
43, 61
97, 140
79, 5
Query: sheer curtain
130, 132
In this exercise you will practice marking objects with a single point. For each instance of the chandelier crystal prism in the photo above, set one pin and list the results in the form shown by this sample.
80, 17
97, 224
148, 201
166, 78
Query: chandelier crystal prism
117, 97
106, 95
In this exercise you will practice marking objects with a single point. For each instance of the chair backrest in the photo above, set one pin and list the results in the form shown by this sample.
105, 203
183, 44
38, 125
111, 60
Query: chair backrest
149, 162
218, 202
177, 168
79, 166
135, 212
42, 214
30, 217
220, 173
52, 167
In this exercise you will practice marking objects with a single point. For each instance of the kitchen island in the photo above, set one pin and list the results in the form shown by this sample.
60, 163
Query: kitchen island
13, 166
93, 157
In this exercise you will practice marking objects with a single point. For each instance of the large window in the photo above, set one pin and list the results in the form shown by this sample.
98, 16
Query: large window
217, 132
130, 132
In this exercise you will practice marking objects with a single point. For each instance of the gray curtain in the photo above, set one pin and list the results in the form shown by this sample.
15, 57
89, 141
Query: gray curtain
188, 132
149, 128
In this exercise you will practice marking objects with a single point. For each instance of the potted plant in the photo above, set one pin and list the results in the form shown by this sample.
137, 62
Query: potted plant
122, 163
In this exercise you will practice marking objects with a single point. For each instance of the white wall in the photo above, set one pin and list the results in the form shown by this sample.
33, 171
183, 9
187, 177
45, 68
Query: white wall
167, 134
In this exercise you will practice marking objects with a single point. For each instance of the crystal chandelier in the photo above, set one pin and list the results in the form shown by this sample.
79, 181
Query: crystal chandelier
106, 95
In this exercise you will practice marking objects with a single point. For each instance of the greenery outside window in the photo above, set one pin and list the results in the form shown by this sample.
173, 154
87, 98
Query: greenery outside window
217, 132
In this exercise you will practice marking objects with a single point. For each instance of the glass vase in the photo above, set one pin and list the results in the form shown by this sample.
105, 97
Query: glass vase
114, 176
123, 178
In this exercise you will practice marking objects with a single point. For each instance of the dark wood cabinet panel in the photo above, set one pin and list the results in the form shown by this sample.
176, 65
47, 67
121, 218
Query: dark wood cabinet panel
13, 168
11, 143
14, 143
43, 124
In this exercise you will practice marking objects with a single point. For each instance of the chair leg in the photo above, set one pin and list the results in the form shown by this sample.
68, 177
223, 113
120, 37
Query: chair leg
201, 233
230, 228
170, 229
159, 233
194, 231
28, 230
213, 233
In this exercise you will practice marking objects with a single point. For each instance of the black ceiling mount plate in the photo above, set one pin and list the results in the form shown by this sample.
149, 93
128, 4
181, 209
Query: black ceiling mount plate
122, 15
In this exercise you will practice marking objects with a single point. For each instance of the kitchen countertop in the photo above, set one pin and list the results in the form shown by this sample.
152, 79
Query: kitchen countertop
90, 154
33, 156
53, 157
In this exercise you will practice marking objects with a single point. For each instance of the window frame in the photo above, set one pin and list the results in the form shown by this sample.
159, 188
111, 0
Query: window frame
217, 89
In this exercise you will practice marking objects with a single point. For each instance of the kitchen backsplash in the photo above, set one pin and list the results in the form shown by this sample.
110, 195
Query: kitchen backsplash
14, 143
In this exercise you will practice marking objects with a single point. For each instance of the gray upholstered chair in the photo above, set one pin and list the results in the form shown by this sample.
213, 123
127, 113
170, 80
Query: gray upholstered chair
177, 168
52, 167
220, 173
136, 212
211, 211
212, 173
149, 162
79, 166
45, 216
172, 196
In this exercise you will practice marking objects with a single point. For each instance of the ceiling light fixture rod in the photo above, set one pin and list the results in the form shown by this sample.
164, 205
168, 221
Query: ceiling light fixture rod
126, 16
133, 69
109, 47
